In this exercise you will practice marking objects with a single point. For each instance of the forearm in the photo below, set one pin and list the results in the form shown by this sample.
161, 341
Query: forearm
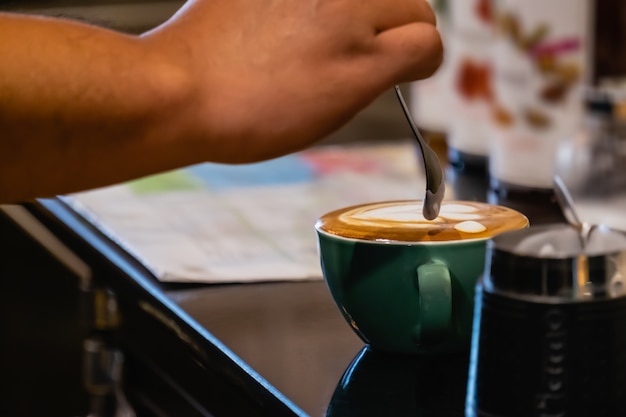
224, 81
81, 106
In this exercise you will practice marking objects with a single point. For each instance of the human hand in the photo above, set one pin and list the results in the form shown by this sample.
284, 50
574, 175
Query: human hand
274, 76
222, 81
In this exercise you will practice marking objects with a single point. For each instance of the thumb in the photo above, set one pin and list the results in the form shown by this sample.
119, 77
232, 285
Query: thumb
408, 53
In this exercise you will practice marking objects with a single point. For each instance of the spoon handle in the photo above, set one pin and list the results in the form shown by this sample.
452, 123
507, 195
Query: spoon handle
566, 202
407, 114
568, 207
435, 185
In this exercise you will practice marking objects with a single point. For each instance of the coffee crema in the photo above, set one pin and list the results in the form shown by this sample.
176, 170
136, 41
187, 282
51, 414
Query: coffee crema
402, 221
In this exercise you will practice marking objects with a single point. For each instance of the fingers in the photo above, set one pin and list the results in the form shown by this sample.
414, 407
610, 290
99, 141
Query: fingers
408, 45
408, 53
402, 12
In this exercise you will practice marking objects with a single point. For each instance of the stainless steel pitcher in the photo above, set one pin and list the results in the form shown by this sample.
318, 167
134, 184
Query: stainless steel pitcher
550, 325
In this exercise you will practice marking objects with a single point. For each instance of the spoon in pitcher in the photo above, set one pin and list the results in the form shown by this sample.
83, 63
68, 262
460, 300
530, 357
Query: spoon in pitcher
566, 202
435, 185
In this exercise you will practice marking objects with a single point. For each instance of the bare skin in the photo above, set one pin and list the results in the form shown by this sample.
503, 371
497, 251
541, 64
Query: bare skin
228, 81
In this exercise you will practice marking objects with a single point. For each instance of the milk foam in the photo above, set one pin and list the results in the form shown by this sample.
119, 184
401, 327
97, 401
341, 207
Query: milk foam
411, 214
403, 221
470, 227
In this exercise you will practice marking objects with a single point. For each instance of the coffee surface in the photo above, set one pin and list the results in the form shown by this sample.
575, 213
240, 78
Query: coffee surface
403, 221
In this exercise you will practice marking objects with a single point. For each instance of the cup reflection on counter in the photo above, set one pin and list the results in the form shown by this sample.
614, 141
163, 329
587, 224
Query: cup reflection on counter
381, 384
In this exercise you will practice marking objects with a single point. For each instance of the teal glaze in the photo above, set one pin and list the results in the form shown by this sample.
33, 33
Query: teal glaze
377, 289
435, 300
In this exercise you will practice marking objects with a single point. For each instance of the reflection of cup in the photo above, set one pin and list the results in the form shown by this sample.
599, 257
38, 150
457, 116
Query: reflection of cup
406, 284
380, 384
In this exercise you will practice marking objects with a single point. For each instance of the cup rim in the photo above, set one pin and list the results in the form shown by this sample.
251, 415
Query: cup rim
402, 242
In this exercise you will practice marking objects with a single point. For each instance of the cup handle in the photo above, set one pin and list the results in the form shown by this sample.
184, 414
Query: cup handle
435, 300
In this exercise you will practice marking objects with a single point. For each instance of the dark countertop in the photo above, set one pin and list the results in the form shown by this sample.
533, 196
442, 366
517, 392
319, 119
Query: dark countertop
291, 333
294, 336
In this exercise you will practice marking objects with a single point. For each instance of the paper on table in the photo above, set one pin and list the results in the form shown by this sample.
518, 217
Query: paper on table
218, 223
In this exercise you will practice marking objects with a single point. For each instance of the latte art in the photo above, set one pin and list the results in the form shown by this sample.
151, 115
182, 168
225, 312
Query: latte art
403, 221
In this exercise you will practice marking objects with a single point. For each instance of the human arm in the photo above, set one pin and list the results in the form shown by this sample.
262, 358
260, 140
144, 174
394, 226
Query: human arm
223, 81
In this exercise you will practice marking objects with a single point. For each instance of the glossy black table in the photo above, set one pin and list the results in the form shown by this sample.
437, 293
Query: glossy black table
174, 362
255, 349
266, 349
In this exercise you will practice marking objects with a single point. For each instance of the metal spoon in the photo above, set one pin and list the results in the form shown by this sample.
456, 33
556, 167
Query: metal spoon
566, 202
435, 185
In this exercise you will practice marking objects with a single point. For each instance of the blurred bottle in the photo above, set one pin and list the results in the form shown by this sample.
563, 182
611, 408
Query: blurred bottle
541, 63
545, 55
608, 51
470, 92
428, 101
453, 104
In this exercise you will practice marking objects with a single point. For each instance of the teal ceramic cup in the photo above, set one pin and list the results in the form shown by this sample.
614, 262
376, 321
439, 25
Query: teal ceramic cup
403, 283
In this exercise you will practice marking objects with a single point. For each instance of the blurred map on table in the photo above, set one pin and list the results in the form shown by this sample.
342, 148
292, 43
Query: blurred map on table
217, 223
